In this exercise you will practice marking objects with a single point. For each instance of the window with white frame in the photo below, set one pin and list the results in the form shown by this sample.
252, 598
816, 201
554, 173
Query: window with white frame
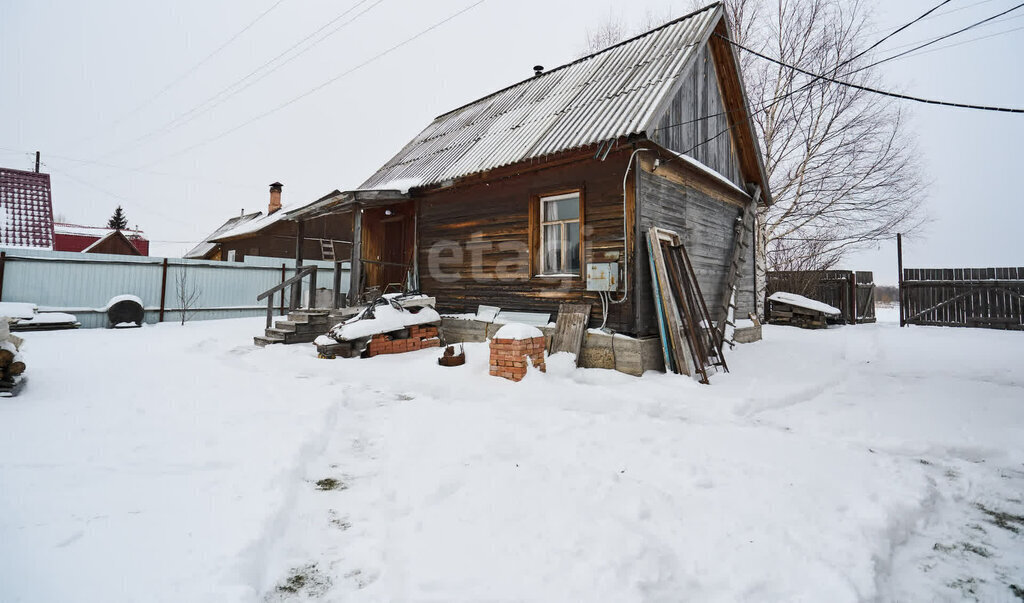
560, 234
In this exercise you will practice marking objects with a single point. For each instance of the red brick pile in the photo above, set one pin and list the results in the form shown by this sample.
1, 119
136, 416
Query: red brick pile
510, 356
420, 337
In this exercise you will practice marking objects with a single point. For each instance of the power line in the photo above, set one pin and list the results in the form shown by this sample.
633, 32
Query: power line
949, 35
842, 64
190, 71
941, 14
320, 86
996, 22
31, 154
115, 195
244, 82
878, 43
822, 77
874, 90
978, 39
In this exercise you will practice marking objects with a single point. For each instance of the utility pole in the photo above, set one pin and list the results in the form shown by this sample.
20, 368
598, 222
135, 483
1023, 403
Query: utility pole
37, 162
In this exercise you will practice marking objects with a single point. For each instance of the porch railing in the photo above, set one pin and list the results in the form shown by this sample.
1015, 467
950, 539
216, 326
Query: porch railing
296, 280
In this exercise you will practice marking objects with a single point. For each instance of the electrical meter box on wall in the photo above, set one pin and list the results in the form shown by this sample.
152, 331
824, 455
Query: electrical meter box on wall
602, 277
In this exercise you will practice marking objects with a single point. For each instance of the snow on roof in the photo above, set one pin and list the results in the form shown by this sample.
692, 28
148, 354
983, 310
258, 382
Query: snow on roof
254, 226
709, 171
110, 235
802, 302
78, 230
26, 209
604, 96
206, 246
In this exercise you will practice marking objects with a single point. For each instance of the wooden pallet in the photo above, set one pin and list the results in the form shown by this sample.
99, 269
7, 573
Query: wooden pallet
570, 328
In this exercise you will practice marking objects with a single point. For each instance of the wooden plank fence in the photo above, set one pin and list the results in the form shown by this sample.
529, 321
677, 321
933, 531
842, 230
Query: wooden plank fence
963, 297
853, 292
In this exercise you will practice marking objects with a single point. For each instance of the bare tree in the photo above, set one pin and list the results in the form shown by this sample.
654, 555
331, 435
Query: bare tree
611, 31
615, 29
841, 163
188, 292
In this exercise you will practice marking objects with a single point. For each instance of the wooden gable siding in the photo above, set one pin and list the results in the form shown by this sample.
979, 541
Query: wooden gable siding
278, 239
116, 244
703, 212
696, 114
488, 220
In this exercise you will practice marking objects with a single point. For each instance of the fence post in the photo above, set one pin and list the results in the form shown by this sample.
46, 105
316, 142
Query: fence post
853, 297
899, 290
3, 264
163, 290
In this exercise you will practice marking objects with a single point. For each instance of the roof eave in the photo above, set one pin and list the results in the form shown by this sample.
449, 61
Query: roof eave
346, 201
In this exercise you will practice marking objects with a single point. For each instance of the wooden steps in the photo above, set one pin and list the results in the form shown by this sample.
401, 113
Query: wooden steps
303, 326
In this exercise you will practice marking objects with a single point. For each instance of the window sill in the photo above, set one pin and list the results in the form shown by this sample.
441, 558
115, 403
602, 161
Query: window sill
573, 276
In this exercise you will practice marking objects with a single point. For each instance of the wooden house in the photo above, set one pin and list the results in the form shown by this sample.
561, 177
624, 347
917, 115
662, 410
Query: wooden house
271, 235
505, 201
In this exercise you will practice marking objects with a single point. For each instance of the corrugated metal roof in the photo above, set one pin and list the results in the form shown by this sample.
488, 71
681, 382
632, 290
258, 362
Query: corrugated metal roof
607, 95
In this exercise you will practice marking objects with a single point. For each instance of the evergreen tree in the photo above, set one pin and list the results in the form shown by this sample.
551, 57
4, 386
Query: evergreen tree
118, 221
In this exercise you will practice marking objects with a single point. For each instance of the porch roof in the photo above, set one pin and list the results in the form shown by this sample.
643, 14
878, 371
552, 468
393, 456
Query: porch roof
342, 201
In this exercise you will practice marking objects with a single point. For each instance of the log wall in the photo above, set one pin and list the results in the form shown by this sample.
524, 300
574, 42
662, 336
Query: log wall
478, 232
278, 240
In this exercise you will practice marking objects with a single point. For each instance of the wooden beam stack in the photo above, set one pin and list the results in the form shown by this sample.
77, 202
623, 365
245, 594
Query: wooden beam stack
787, 314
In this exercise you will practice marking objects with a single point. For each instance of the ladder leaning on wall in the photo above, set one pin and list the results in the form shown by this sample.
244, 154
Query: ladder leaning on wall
740, 255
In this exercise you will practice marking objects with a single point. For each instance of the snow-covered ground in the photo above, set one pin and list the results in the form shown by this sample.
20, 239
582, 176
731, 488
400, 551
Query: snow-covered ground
176, 463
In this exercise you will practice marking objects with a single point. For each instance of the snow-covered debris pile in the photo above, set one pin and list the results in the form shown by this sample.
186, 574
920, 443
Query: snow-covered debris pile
518, 331
18, 310
25, 316
388, 316
803, 302
49, 318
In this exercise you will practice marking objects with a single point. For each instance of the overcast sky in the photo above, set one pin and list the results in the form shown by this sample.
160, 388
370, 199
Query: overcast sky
107, 90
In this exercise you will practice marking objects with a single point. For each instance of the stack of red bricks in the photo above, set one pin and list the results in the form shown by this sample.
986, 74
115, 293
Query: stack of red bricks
509, 357
420, 337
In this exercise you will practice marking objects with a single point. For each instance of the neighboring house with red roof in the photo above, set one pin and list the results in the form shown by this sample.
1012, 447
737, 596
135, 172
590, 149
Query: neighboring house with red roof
75, 237
26, 209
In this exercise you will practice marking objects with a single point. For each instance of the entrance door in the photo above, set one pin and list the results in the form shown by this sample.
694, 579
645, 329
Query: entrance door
388, 241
